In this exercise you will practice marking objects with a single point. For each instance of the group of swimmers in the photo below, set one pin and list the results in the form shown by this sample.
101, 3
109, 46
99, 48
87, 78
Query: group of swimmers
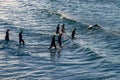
59, 32
21, 41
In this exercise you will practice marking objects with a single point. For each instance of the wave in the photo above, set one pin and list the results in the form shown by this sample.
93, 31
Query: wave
63, 16
60, 15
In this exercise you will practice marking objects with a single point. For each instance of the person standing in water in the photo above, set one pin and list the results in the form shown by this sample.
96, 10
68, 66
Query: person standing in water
57, 29
63, 28
59, 40
20, 38
73, 34
7, 35
53, 42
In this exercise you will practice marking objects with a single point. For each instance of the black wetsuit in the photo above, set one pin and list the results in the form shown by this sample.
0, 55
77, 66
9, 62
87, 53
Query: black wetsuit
7, 35
63, 28
73, 34
20, 38
57, 30
53, 43
59, 40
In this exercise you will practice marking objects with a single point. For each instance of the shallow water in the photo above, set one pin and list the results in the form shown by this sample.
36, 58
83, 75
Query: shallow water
93, 55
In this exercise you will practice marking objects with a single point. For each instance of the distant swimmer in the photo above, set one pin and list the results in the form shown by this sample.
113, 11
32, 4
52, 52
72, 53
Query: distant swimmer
92, 26
20, 38
7, 35
57, 29
60, 40
53, 42
63, 28
73, 34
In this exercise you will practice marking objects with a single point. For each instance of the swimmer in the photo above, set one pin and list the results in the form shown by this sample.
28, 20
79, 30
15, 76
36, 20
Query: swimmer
59, 40
57, 29
7, 35
63, 28
73, 34
20, 38
53, 42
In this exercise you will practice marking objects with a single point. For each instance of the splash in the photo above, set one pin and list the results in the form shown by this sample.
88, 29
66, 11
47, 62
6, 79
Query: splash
63, 15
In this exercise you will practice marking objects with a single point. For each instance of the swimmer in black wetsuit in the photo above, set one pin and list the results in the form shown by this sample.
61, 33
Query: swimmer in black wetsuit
59, 40
53, 42
73, 34
57, 29
63, 28
20, 38
7, 35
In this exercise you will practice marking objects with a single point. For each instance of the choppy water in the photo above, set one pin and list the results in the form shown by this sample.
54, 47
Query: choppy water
93, 55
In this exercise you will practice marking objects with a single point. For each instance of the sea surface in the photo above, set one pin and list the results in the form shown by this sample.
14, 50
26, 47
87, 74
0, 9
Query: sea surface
93, 55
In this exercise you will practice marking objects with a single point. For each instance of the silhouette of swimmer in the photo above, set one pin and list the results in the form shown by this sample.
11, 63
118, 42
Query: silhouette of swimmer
63, 28
57, 29
92, 26
59, 40
53, 42
73, 34
7, 35
20, 38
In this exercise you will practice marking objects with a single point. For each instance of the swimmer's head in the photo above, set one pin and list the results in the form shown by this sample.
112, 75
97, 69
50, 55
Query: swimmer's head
21, 30
54, 35
8, 30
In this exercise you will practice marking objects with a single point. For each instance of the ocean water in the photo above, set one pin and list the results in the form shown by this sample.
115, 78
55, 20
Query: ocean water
93, 55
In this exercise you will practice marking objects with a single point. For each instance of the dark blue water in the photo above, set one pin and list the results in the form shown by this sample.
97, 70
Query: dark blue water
93, 55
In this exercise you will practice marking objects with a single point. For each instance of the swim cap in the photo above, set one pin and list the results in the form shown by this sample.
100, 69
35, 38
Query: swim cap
21, 30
